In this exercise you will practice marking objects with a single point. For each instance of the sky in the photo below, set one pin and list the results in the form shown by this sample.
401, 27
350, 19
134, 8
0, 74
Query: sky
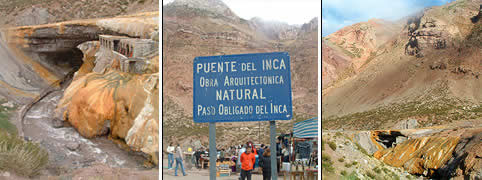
289, 11
337, 14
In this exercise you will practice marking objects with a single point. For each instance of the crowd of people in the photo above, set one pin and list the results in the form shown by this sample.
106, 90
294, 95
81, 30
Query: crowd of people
247, 158
175, 153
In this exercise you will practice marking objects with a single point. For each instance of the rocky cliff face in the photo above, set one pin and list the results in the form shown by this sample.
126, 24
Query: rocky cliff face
274, 30
24, 13
214, 6
439, 27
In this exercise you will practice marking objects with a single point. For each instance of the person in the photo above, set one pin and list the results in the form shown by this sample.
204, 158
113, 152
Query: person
200, 152
314, 158
197, 155
247, 162
170, 156
250, 144
265, 164
241, 151
286, 154
261, 150
178, 156
221, 155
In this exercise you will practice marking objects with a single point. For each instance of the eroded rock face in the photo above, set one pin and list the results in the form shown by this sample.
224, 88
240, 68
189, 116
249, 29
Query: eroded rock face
467, 158
440, 27
435, 153
425, 32
33, 16
420, 155
126, 104
117, 103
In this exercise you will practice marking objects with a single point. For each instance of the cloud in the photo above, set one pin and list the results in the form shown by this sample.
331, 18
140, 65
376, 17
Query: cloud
288, 11
340, 13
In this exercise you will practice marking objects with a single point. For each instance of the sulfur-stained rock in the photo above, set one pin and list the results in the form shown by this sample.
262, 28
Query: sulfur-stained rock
418, 155
467, 157
414, 166
125, 103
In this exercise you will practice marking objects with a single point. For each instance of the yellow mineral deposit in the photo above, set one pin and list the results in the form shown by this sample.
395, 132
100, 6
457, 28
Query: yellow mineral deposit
418, 154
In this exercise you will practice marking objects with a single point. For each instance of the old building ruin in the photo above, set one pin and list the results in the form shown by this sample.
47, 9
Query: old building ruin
132, 54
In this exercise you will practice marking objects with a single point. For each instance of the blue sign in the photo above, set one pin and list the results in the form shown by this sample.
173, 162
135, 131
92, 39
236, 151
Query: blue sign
244, 87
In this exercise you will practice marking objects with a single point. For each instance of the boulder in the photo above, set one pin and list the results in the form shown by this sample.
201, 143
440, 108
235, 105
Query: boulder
8, 104
72, 146
57, 123
367, 142
121, 104
406, 124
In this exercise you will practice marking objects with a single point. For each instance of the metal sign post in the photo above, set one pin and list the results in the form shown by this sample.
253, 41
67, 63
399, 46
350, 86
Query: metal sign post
212, 151
272, 135
240, 88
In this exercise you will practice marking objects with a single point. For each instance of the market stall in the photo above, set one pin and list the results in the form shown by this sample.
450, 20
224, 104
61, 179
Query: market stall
304, 143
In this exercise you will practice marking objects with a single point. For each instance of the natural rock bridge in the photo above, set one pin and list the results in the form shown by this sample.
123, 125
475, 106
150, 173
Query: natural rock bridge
42, 54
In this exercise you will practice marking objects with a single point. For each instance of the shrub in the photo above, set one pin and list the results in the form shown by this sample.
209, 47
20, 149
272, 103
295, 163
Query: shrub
343, 173
358, 146
322, 145
377, 170
352, 176
348, 165
5, 124
325, 157
23, 158
341, 160
370, 174
326, 163
332, 145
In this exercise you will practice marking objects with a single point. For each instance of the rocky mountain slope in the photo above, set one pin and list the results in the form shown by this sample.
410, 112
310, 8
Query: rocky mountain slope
429, 71
192, 30
30, 12
352, 47
424, 74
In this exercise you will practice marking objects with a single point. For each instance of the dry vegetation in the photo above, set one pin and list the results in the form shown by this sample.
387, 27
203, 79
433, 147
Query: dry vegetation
16, 155
23, 158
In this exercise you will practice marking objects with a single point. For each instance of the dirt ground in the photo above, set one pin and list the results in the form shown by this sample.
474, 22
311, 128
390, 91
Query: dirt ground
199, 174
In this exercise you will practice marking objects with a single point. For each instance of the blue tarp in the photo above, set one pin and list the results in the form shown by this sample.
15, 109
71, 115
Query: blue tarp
306, 129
